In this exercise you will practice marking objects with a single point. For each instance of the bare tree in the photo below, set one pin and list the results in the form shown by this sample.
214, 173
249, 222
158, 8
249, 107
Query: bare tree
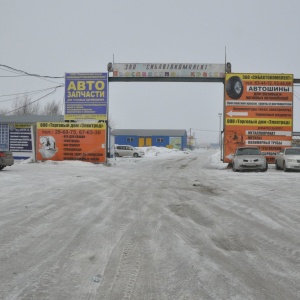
51, 108
3, 111
24, 106
111, 122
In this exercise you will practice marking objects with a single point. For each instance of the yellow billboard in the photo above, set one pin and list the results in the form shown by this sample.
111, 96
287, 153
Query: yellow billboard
258, 112
71, 141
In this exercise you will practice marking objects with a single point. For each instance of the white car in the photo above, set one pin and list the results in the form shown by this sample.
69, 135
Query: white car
288, 159
126, 150
249, 158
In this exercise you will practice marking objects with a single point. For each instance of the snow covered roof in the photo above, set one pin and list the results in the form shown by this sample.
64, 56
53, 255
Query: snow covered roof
30, 119
149, 132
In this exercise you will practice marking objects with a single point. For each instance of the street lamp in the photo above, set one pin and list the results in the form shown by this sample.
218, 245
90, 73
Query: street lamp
220, 134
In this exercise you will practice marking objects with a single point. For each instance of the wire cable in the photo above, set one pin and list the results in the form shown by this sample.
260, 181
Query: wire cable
205, 130
30, 91
9, 71
34, 100
27, 93
13, 76
30, 74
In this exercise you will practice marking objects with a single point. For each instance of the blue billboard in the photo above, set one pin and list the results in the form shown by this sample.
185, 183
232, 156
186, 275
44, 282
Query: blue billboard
86, 96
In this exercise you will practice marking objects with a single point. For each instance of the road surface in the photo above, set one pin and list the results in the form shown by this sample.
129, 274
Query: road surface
172, 227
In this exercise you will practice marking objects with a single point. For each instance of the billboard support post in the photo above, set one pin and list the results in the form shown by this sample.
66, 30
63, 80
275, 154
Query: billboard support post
220, 133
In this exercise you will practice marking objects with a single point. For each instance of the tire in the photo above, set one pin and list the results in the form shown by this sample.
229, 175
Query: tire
265, 169
2, 167
135, 155
234, 87
233, 168
276, 166
285, 169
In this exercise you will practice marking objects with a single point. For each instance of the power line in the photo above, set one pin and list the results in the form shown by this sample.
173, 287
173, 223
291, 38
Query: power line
13, 76
26, 93
30, 74
9, 71
205, 130
34, 100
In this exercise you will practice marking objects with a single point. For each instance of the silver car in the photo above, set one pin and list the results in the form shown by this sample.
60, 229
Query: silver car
6, 159
288, 159
126, 150
249, 158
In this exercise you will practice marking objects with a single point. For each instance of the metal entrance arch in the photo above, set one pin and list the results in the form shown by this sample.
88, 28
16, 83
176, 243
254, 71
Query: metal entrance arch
180, 73
166, 72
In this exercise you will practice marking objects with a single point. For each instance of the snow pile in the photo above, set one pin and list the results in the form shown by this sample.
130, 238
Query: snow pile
216, 163
150, 153
155, 151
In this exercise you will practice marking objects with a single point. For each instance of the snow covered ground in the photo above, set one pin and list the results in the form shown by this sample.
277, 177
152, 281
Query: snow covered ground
171, 225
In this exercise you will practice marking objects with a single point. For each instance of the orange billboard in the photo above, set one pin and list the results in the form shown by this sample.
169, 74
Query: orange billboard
258, 112
71, 141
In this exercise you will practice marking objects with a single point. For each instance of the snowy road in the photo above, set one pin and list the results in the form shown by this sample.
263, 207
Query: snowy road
173, 227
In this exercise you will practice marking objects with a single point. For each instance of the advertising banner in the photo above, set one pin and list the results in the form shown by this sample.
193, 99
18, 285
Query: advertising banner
258, 112
168, 70
20, 138
86, 96
71, 141
176, 142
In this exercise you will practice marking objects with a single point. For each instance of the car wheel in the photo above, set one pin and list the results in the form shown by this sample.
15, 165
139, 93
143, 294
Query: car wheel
117, 155
135, 155
2, 167
233, 168
265, 169
234, 87
276, 165
285, 169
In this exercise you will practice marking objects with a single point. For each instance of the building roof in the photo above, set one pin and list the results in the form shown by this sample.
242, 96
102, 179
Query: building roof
30, 119
149, 132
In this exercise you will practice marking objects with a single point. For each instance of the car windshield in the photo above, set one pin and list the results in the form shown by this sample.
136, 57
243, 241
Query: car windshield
292, 151
248, 151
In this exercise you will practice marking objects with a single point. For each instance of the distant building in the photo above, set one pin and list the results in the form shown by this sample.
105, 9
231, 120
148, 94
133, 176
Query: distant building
170, 138
296, 139
191, 142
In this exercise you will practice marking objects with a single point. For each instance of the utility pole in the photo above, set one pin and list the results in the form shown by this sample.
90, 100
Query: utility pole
190, 144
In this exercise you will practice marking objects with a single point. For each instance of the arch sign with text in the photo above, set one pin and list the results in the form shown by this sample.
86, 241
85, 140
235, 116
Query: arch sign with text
163, 70
258, 112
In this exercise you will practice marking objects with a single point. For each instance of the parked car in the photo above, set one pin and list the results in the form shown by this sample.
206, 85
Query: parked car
288, 159
6, 159
126, 150
249, 158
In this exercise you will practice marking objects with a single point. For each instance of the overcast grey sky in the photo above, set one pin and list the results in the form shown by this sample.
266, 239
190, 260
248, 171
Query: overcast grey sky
52, 37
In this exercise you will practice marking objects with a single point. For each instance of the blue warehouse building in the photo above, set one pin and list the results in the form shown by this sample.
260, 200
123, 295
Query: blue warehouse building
170, 138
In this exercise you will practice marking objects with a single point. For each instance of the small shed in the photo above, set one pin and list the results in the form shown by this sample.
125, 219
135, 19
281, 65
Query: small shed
170, 138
